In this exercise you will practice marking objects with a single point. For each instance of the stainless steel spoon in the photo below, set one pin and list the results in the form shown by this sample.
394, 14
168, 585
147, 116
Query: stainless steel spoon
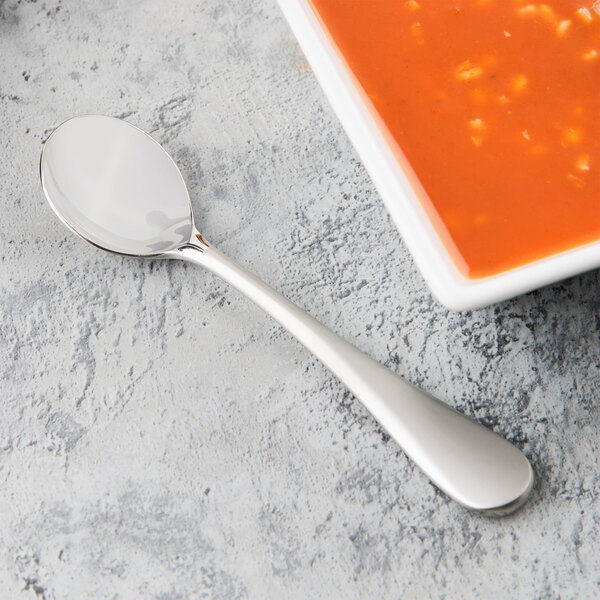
117, 188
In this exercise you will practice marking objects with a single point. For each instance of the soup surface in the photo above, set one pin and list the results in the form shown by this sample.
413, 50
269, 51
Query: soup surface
495, 104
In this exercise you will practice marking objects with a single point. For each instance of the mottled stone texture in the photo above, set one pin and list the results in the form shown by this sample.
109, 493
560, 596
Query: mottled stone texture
161, 438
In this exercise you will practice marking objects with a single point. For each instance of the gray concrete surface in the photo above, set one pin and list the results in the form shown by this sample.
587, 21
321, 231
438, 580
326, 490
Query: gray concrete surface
161, 438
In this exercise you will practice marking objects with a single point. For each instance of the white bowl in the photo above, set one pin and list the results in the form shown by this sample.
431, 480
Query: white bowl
375, 150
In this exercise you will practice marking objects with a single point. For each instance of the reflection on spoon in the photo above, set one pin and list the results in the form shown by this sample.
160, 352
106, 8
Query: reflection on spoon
114, 186
176, 229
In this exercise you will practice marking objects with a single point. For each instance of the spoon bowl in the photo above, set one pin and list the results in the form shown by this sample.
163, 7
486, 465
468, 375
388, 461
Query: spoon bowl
114, 186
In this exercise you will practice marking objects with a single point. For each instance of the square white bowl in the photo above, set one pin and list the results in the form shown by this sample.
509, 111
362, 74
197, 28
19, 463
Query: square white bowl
440, 272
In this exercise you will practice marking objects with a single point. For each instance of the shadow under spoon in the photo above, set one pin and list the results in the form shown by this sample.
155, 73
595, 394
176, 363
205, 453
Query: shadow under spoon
117, 188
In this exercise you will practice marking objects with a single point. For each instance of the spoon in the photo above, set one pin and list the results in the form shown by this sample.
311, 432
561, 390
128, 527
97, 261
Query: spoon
117, 188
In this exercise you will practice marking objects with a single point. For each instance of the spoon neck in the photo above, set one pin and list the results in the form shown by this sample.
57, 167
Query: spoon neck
200, 252
195, 250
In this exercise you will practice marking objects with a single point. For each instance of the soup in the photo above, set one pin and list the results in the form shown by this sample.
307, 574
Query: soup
494, 107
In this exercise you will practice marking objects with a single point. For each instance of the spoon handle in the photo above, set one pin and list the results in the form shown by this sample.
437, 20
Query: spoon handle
470, 463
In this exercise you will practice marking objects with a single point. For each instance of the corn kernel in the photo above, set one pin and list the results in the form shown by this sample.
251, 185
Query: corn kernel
584, 15
528, 9
466, 71
590, 55
477, 125
583, 162
506, 34
547, 13
518, 83
571, 137
412, 5
562, 28
417, 32
525, 134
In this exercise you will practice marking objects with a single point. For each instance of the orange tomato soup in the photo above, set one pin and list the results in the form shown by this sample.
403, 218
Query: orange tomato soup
495, 104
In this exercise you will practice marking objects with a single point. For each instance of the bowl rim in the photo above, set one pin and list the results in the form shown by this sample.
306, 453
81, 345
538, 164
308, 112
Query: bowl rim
437, 267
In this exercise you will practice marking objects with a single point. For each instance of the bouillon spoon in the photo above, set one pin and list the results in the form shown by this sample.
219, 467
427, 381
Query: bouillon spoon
117, 188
